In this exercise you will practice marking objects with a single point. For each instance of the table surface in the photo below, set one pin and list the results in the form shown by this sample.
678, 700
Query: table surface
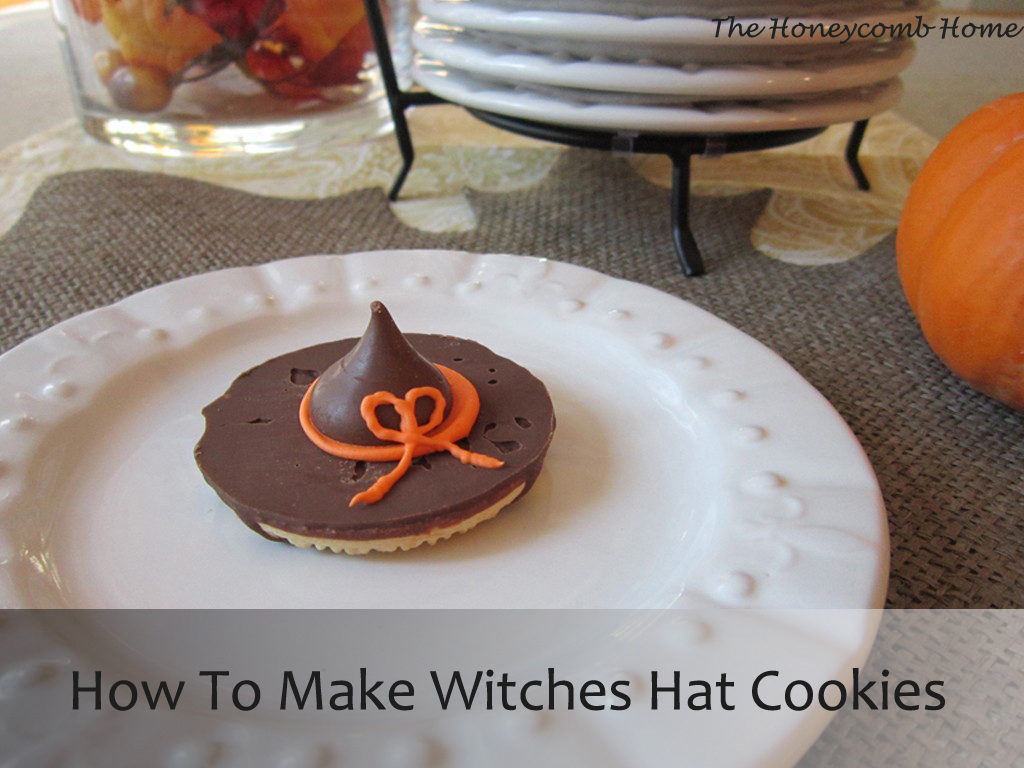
814, 215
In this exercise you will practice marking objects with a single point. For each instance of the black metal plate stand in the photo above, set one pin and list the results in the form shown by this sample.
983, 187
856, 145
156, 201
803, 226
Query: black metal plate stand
678, 147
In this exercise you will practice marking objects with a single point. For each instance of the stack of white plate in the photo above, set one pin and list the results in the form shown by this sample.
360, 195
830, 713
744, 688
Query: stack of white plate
666, 66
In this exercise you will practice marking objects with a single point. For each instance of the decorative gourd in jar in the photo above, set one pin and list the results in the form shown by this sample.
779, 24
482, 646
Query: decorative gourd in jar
193, 66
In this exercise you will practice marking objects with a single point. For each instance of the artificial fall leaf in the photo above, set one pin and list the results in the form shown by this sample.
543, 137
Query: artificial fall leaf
318, 25
276, 65
152, 33
90, 10
238, 20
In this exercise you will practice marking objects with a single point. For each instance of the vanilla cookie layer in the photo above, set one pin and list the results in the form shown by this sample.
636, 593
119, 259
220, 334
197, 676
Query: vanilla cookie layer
357, 547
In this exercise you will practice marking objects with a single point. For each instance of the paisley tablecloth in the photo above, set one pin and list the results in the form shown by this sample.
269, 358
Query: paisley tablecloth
815, 214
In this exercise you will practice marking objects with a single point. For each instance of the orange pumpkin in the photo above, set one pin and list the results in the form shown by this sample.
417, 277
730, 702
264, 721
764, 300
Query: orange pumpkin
960, 250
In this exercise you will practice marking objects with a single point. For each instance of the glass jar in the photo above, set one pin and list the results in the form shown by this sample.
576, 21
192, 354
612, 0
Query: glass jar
218, 77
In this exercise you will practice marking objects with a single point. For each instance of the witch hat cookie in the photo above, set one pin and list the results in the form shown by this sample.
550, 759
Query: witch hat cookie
380, 443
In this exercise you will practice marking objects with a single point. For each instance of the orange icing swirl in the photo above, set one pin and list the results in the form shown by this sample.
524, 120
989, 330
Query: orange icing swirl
412, 438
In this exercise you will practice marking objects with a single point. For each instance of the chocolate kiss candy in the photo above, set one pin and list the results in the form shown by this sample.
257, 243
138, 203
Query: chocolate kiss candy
382, 360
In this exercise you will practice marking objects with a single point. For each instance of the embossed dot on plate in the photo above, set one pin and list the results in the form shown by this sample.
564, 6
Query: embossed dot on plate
59, 389
789, 508
660, 340
261, 300
417, 281
571, 305
694, 364
750, 434
368, 284
764, 482
552, 288
309, 290
618, 315
62, 365
737, 585
472, 286
723, 398
200, 315
105, 335
534, 269
21, 423
152, 335
782, 556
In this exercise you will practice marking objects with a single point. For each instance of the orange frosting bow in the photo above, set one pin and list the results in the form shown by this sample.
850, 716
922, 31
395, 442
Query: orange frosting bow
413, 438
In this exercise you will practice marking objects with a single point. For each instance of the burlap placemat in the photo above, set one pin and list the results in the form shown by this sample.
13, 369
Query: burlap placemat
950, 461
976, 655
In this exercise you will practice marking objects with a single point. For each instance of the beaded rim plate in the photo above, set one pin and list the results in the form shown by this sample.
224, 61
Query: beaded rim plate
691, 468
758, 494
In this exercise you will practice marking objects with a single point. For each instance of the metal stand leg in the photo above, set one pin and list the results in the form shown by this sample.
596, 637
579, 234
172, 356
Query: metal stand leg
678, 147
398, 100
687, 250
852, 152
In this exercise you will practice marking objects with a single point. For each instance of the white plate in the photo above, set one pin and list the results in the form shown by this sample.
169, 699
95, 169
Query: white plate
709, 9
675, 55
671, 30
691, 468
462, 50
691, 465
629, 113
